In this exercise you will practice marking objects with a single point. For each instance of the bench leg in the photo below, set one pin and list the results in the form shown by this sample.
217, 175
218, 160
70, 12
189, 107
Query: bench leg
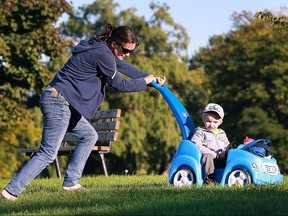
57, 167
103, 163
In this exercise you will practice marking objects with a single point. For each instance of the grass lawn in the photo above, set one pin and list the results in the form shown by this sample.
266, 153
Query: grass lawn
145, 195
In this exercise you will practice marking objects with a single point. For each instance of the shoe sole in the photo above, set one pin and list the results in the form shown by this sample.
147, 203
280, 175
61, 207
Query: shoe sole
6, 195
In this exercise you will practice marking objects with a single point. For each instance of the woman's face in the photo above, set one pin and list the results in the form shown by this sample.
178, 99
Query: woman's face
122, 51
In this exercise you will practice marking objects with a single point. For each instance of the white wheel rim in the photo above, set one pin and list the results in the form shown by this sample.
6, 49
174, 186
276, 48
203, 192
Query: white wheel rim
237, 178
183, 177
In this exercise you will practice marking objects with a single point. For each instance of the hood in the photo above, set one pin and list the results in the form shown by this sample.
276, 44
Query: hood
84, 45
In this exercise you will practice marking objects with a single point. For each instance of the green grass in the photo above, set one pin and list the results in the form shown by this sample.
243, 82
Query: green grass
145, 195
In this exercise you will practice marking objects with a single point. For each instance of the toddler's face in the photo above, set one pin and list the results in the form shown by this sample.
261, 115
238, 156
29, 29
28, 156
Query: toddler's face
211, 121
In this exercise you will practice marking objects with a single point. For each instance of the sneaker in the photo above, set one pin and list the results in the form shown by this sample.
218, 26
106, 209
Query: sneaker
208, 181
8, 196
74, 187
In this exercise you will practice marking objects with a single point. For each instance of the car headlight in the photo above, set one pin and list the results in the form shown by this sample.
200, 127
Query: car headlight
254, 167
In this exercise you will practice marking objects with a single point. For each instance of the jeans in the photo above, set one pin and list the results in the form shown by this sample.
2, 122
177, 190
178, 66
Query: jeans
59, 117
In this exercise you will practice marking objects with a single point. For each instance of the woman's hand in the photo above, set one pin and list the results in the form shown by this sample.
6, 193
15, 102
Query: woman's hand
150, 78
160, 80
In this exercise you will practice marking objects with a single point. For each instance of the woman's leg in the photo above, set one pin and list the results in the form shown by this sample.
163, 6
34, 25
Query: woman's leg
56, 114
82, 128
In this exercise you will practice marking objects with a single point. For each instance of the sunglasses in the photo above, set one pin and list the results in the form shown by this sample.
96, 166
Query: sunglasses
125, 51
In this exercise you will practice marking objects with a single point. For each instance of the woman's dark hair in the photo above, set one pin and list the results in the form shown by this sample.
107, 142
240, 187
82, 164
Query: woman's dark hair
120, 34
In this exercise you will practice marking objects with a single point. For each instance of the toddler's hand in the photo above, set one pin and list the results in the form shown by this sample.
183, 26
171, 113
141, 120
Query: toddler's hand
221, 155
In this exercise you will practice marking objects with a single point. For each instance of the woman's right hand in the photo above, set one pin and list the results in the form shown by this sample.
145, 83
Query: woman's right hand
158, 79
150, 78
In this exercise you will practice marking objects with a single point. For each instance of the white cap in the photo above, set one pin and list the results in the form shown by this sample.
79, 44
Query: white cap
212, 107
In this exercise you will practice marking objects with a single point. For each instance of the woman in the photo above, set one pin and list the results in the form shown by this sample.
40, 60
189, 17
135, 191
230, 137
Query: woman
73, 96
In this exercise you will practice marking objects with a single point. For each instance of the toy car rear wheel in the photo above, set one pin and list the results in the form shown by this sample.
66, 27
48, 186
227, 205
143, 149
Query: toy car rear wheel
239, 177
184, 177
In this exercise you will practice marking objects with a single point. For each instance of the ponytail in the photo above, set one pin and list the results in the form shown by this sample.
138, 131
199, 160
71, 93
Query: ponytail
119, 34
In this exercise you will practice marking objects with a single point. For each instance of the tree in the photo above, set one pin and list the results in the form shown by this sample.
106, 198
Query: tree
277, 21
247, 69
28, 33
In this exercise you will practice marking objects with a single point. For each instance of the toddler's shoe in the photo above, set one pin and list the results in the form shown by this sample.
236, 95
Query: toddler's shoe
208, 181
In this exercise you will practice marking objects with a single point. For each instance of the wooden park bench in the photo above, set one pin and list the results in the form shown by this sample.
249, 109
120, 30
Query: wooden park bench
105, 122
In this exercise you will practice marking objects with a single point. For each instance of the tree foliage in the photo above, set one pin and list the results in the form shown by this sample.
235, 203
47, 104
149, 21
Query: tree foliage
27, 35
277, 21
248, 72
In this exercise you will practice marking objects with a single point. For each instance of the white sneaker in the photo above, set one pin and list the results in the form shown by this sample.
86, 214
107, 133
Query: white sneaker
74, 187
8, 196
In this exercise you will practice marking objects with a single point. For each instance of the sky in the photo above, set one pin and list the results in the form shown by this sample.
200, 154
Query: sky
201, 18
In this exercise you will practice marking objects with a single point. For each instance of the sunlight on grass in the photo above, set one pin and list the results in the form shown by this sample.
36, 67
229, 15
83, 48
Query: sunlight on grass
145, 195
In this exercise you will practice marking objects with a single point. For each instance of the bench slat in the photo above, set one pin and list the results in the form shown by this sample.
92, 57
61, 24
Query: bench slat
107, 136
103, 114
95, 148
102, 136
100, 126
64, 149
31, 150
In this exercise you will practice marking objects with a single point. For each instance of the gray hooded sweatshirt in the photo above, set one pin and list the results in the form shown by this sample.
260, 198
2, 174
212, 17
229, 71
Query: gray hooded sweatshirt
208, 142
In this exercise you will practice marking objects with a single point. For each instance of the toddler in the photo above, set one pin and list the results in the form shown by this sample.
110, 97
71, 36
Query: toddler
211, 140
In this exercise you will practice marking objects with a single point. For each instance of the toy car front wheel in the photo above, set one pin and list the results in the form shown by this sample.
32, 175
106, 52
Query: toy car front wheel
183, 177
239, 177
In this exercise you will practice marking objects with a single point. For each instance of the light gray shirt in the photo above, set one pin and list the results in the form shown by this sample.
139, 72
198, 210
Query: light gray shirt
208, 142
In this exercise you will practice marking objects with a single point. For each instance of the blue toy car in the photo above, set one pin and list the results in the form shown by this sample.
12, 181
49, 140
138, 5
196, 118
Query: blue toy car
244, 166
247, 164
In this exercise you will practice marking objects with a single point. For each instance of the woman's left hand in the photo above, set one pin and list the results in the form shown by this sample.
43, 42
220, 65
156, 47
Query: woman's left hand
160, 80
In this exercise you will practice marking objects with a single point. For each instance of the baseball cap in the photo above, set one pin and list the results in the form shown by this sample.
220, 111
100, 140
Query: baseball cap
213, 107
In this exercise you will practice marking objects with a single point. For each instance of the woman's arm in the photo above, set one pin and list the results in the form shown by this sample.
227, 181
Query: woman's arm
132, 72
128, 70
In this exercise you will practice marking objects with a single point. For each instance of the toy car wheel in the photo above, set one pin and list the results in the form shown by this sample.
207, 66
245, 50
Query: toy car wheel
183, 177
239, 177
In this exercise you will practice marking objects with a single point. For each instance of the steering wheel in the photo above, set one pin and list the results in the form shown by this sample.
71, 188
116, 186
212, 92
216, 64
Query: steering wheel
232, 145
